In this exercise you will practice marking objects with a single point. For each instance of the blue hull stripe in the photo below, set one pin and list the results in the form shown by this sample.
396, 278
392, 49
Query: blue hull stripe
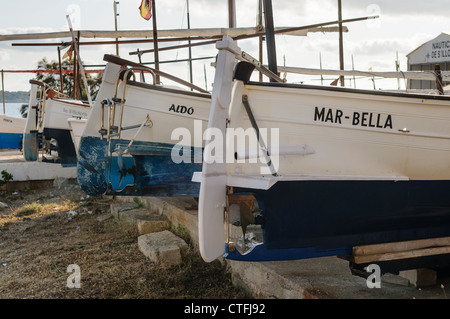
11, 140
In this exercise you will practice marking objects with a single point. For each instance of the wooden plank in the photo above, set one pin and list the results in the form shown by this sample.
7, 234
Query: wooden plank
363, 259
401, 246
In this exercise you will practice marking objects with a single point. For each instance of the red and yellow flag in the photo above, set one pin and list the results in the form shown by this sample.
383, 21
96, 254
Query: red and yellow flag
146, 9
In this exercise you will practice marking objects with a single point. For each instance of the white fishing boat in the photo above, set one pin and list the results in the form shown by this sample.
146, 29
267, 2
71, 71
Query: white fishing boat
127, 145
343, 167
11, 131
47, 123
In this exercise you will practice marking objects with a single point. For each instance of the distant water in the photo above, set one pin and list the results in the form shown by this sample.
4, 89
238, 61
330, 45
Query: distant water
12, 109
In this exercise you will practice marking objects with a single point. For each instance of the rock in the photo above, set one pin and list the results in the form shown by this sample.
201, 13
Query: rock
3, 205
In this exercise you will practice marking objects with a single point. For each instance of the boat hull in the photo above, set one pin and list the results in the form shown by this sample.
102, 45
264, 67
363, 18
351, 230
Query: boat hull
11, 132
331, 217
110, 164
11, 140
349, 167
147, 170
48, 121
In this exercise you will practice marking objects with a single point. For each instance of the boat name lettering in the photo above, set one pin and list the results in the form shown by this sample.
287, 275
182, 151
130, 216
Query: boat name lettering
75, 112
365, 119
182, 109
7, 120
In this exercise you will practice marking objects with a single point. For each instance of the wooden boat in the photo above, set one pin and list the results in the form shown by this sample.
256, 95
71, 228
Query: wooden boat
352, 166
47, 120
11, 132
126, 146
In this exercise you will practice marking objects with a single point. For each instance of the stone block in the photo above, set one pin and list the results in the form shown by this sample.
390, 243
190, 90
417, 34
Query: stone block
420, 277
162, 247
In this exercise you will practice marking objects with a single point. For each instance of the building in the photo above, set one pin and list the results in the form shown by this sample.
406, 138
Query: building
426, 56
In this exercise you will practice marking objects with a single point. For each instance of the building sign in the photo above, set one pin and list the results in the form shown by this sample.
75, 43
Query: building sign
433, 51
440, 51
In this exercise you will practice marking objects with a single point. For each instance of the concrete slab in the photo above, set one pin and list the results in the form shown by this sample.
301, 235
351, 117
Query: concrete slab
14, 163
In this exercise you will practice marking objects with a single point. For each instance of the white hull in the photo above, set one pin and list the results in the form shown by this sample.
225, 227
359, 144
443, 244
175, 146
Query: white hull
325, 134
351, 135
48, 118
57, 112
159, 103
10, 124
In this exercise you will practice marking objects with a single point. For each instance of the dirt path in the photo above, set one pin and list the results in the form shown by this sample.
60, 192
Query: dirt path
44, 231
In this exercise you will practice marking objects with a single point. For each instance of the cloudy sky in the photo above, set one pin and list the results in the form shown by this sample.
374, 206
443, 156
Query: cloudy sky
402, 26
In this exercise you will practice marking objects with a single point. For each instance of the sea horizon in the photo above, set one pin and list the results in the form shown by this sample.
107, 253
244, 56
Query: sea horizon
12, 109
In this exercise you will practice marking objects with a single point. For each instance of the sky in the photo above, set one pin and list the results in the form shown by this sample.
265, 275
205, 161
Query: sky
375, 44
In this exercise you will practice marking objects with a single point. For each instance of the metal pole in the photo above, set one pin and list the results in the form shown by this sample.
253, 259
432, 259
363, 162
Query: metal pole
140, 62
60, 70
155, 40
75, 73
341, 44
353, 68
320, 63
189, 42
231, 14
77, 54
270, 37
115, 25
3, 94
437, 72
260, 27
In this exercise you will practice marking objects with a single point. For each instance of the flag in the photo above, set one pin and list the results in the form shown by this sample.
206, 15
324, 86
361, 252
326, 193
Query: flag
146, 9
335, 82
69, 53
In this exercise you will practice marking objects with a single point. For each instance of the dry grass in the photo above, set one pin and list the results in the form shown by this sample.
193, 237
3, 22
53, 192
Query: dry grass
40, 236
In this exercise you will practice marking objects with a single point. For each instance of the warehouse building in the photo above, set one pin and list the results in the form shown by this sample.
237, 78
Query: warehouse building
426, 57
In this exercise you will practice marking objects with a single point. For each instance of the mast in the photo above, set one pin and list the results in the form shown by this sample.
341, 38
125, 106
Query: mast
189, 42
341, 44
270, 37
115, 26
60, 69
231, 14
3, 93
155, 40
259, 28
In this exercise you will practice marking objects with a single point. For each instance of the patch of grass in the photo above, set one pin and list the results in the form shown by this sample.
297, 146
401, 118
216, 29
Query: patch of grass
37, 252
36, 209
138, 202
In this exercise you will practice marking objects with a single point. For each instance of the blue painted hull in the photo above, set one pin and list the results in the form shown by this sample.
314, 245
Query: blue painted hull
11, 140
300, 219
150, 170
31, 146
306, 219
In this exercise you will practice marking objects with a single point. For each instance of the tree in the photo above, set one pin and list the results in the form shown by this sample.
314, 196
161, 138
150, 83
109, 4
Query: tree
53, 79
